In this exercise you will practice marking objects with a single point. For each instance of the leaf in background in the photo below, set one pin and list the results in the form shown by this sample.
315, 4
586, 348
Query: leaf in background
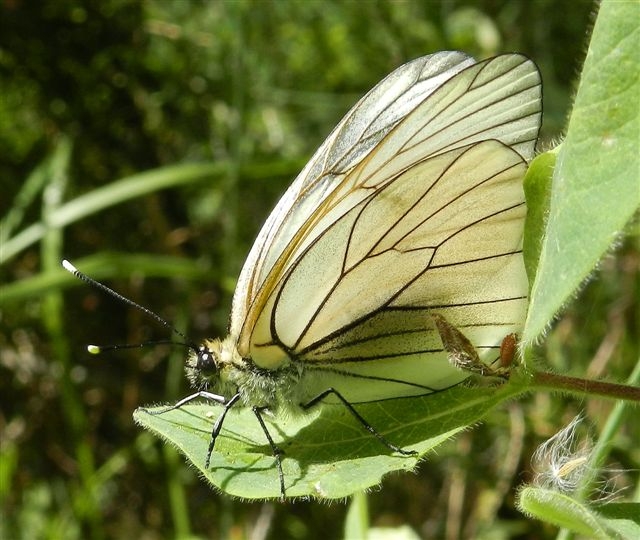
596, 186
622, 518
562, 510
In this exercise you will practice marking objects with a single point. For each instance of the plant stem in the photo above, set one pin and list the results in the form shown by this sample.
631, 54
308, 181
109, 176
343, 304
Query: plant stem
576, 385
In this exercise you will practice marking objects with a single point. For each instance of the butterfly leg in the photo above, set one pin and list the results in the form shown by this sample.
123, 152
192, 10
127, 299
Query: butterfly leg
218, 426
201, 394
359, 418
277, 451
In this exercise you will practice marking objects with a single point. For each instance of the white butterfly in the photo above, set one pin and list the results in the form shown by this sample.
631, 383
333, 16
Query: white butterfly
412, 207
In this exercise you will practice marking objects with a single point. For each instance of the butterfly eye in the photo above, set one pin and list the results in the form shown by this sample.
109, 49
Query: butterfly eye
205, 362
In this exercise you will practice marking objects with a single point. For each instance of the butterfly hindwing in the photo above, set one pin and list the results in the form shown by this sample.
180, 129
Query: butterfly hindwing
445, 236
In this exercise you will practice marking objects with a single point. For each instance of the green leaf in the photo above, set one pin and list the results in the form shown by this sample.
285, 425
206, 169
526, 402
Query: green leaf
327, 453
561, 510
612, 520
596, 179
623, 519
356, 523
537, 189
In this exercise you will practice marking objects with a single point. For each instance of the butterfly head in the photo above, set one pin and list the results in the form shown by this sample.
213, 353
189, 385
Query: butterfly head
204, 364
213, 366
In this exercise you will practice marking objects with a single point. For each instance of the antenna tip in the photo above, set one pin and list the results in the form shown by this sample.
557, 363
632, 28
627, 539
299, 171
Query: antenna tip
68, 266
94, 349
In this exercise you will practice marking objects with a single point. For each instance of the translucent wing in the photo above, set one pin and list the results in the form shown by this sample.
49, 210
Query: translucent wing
444, 236
425, 107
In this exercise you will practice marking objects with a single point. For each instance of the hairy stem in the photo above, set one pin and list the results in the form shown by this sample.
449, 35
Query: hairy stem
576, 385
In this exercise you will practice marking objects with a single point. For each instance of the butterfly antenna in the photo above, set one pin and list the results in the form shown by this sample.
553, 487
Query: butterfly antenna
94, 349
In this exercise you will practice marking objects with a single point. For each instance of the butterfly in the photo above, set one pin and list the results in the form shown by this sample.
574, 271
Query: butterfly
392, 266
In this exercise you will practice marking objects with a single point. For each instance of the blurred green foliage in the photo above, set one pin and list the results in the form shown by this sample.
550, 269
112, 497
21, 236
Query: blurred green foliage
95, 91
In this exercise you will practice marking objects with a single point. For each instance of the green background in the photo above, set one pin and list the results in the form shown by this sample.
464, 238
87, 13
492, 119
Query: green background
241, 93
